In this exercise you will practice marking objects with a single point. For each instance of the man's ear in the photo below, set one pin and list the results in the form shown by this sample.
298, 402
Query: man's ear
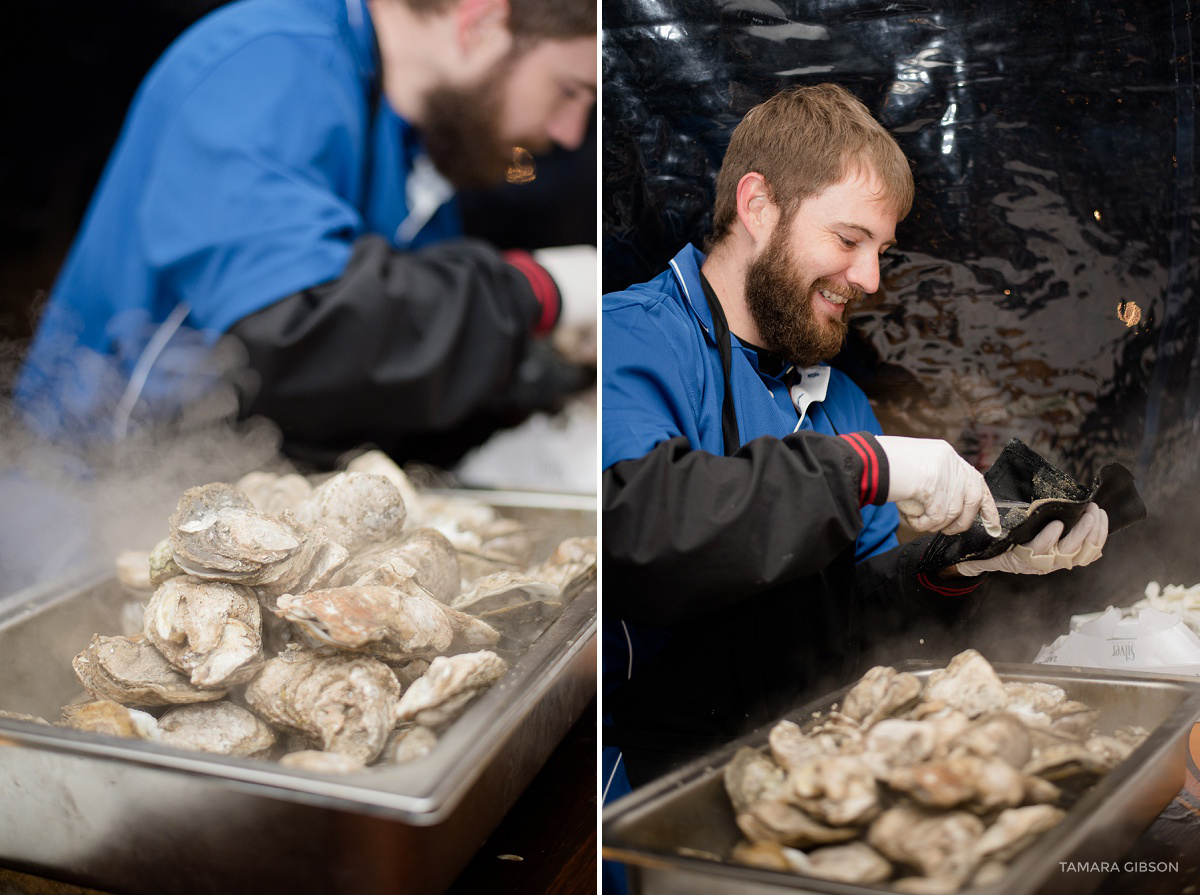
482, 30
756, 211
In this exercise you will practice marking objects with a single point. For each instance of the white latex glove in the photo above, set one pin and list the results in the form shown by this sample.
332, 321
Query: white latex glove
573, 269
934, 488
1050, 550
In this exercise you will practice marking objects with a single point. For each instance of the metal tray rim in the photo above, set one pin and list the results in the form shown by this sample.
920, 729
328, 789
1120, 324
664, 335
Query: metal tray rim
1028, 868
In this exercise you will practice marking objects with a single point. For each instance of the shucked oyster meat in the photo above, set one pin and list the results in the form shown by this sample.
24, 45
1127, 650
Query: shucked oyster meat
945, 781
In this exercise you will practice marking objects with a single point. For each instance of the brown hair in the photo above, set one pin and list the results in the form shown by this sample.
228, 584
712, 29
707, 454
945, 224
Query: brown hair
803, 140
533, 20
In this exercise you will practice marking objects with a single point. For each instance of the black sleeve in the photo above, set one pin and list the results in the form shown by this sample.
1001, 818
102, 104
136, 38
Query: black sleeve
403, 342
686, 532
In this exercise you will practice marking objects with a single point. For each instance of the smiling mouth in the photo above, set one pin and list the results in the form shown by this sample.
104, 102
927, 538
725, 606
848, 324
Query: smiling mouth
836, 298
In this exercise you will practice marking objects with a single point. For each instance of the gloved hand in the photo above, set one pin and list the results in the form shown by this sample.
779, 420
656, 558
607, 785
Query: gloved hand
1050, 550
934, 488
573, 269
543, 381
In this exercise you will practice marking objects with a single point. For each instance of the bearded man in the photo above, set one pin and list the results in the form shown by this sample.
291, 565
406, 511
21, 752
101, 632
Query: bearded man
286, 176
750, 556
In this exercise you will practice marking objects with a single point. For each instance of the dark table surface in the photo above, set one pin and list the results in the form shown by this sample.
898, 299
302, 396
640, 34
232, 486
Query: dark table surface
545, 845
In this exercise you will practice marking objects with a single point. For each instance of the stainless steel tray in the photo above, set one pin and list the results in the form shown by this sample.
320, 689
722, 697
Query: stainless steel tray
138, 817
688, 809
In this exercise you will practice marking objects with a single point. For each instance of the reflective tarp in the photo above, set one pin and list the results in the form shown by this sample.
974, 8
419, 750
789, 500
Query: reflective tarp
1045, 284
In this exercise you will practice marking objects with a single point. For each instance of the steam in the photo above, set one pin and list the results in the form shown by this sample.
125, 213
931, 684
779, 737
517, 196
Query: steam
65, 506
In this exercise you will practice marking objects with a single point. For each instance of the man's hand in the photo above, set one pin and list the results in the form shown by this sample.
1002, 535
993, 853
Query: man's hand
934, 488
1050, 550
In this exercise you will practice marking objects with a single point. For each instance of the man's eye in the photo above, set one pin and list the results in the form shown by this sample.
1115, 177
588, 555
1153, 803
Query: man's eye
847, 242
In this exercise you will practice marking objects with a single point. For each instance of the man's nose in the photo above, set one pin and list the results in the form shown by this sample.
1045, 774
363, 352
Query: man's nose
569, 125
864, 274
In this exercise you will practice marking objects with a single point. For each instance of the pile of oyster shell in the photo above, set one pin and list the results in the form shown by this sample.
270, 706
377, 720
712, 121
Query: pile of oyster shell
927, 788
328, 625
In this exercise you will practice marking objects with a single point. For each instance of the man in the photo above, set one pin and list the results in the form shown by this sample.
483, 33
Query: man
750, 500
286, 175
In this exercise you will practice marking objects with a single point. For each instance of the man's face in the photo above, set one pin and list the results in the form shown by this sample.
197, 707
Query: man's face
534, 99
802, 285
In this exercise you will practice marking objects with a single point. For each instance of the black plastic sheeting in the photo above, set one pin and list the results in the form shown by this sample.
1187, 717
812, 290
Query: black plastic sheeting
1045, 284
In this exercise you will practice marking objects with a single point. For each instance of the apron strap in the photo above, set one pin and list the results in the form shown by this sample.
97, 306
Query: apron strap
729, 425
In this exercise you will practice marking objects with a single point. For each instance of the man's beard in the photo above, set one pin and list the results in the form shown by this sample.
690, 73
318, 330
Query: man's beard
462, 130
780, 302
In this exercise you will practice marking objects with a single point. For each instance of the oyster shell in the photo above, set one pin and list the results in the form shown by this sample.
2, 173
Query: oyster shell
968, 683
357, 509
968, 780
751, 777
133, 569
219, 727
1000, 735
106, 716
503, 590
379, 463
838, 790
938, 845
769, 820
162, 563
881, 693
385, 621
790, 747
451, 682
1014, 830
421, 555
130, 670
570, 559
274, 493
409, 742
216, 532
345, 702
899, 742
854, 862
210, 629
321, 762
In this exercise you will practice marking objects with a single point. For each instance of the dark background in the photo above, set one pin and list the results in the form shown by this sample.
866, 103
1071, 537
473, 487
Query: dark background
1053, 146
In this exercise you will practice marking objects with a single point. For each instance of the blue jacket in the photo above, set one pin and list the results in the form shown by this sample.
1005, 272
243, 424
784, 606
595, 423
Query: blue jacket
663, 378
278, 97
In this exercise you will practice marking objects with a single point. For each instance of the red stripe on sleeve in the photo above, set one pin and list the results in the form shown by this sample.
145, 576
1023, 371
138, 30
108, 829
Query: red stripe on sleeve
542, 284
864, 456
870, 480
942, 588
